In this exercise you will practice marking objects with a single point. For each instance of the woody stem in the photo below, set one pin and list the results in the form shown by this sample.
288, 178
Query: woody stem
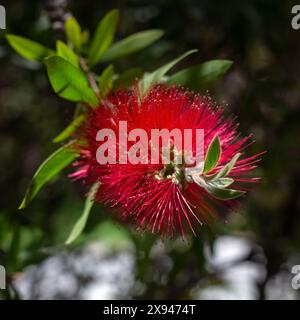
90, 77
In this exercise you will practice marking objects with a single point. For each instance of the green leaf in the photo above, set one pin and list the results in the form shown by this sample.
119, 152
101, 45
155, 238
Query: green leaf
73, 32
217, 188
81, 222
224, 194
220, 183
67, 53
85, 36
106, 81
66, 133
201, 76
131, 44
199, 180
69, 82
228, 167
28, 49
156, 76
48, 170
212, 155
104, 36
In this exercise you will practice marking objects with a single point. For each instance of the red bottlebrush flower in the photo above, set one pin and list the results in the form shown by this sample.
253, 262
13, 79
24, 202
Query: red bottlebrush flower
167, 198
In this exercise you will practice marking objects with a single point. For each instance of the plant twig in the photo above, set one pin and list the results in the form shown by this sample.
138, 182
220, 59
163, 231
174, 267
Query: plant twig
90, 77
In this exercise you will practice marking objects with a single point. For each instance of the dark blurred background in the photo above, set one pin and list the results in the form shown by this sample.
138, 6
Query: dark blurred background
251, 256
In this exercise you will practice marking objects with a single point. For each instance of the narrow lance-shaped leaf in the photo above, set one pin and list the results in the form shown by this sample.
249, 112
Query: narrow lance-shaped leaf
218, 188
199, 180
85, 36
220, 183
131, 44
156, 76
73, 32
212, 155
67, 53
69, 82
224, 194
228, 167
81, 222
28, 49
48, 170
106, 81
104, 36
66, 133
201, 76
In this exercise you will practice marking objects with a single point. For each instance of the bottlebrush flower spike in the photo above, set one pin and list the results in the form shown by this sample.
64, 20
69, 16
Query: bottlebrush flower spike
167, 198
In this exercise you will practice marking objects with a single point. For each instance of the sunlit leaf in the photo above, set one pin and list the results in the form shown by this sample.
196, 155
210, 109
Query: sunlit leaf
199, 180
69, 82
60, 159
221, 183
131, 44
28, 49
66, 133
73, 32
228, 167
81, 222
104, 36
202, 75
224, 194
156, 76
212, 155
67, 53
85, 36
